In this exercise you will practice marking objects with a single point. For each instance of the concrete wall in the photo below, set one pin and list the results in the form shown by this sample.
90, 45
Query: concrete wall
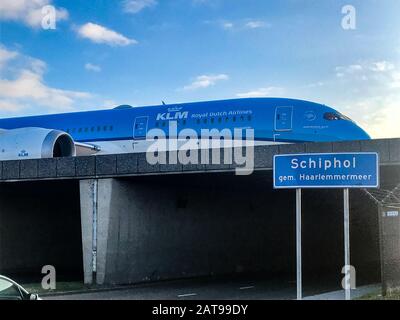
213, 224
390, 220
40, 225
390, 230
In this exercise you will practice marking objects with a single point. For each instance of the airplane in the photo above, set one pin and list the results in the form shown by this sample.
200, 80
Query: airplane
124, 129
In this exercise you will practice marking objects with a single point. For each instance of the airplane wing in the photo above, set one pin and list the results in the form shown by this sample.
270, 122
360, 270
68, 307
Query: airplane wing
86, 149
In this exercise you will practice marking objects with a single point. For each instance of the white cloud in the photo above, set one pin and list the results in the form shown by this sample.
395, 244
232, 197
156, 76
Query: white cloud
92, 67
256, 24
28, 11
205, 81
369, 93
100, 34
262, 92
10, 106
25, 87
240, 25
315, 84
227, 25
135, 6
6, 55
366, 70
396, 79
379, 114
29, 85
341, 71
382, 66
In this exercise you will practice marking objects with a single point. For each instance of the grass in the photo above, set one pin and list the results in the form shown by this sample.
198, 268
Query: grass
394, 295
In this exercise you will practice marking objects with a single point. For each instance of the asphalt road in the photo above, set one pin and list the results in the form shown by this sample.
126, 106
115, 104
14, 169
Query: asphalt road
198, 289
192, 289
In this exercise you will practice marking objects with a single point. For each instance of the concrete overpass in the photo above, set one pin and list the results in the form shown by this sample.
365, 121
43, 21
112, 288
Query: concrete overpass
151, 222
135, 164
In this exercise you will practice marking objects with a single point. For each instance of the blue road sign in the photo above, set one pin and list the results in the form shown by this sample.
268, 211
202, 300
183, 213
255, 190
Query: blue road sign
326, 170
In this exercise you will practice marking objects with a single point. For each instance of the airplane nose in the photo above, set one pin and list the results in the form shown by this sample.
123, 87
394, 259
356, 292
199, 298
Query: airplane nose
360, 134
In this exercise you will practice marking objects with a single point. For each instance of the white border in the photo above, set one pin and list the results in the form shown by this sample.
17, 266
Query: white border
328, 186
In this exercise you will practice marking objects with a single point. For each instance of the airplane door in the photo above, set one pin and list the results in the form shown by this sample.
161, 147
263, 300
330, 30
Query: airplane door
284, 118
140, 127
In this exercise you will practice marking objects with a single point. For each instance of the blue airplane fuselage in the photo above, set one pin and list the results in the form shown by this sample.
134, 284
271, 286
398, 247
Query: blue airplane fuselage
274, 120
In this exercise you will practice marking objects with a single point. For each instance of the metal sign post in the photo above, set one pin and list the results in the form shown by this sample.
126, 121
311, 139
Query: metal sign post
347, 266
298, 245
326, 170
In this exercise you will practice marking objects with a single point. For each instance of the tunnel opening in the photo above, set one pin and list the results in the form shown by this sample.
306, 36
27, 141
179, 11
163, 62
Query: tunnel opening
39, 226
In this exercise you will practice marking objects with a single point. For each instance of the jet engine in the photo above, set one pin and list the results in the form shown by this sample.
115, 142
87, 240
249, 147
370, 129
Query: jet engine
34, 143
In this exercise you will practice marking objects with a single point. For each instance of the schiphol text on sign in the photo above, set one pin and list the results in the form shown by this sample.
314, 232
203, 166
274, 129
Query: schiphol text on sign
326, 170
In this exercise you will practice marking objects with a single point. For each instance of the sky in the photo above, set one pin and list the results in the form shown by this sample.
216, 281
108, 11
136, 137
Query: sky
102, 53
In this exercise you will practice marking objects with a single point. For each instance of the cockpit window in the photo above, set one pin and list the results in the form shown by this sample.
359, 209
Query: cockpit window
335, 116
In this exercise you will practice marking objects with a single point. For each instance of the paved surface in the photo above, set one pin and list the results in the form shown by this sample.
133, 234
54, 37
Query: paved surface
339, 295
193, 290
208, 289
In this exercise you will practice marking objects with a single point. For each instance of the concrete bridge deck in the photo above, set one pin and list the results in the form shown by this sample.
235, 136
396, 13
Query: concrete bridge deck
120, 165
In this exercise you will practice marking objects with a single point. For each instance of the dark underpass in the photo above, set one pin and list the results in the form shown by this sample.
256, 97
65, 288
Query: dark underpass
192, 225
40, 225
221, 224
